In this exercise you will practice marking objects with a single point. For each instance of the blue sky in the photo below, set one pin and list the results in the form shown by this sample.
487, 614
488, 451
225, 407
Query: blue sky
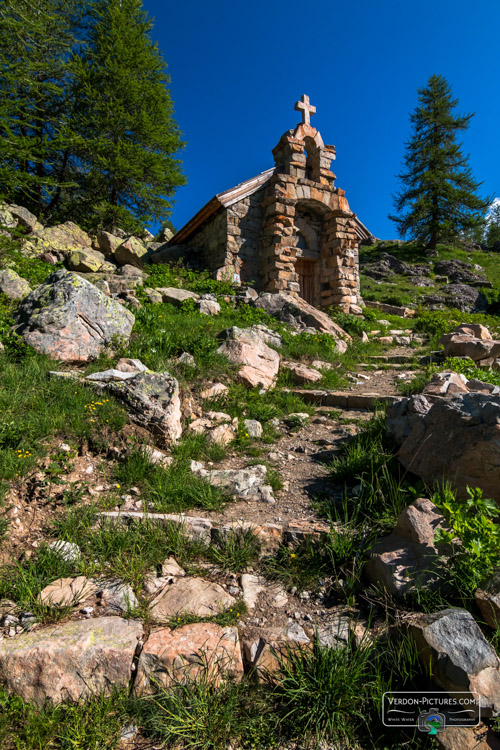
237, 68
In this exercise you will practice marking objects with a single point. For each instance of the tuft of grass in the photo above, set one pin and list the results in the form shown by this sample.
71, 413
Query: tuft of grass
415, 385
22, 582
236, 551
167, 489
90, 725
196, 447
324, 694
227, 618
203, 716
335, 560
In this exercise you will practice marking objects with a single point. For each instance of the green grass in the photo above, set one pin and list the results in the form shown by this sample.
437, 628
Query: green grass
167, 489
36, 408
124, 551
107, 549
338, 557
200, 716
94, 725
398, 290
236, 551
415, 385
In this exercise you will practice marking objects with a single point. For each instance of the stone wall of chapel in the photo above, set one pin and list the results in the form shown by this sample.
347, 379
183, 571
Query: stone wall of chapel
228, 243
208, 247
244, 220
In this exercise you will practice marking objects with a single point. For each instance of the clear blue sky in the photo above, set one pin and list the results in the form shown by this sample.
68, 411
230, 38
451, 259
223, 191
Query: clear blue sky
238, 67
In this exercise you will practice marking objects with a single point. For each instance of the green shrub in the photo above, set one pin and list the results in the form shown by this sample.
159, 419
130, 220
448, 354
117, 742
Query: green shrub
474, 535
178, 275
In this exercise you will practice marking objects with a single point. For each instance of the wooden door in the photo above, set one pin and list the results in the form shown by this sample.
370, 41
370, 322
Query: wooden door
306, 273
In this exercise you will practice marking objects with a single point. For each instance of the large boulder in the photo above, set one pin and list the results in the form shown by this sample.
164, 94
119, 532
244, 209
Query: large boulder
201, 650
108, 243
451, 644
12, 285
70, 319
461, 345
456, 438
259, 364
70, 662
60, 240
152, 400
25, 218
298, 313
409, 557
131, 252
86, 260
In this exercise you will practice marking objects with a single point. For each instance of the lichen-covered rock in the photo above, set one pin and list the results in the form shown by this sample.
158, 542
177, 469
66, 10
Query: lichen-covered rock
152, 400
60, 240
25, 218
70, 662
86, 260
108, 243
7, 220
131, 252
200, 650
70, 319
250, 483
12, 285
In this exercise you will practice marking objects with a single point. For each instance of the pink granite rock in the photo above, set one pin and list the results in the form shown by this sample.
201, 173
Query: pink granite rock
71, 661
202, 650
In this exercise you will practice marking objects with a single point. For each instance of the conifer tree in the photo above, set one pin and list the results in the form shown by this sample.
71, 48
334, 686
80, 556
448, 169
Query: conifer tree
438, 199
125, 119
492, 234
37, 41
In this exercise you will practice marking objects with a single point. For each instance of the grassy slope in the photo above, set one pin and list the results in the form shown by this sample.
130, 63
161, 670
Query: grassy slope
399, 291
37, 410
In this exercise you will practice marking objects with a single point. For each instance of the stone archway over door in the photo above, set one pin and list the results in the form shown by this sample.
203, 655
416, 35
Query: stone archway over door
307, 271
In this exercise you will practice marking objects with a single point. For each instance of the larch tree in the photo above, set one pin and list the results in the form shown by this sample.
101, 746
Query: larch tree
37, 41
492, 234
129, 163
438, 199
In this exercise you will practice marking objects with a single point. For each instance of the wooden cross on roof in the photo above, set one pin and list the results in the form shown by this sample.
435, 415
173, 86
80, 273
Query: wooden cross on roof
306, 109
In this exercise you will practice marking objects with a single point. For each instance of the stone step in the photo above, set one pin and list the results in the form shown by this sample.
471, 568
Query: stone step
269, 534
391, 358
388, 365
344, 399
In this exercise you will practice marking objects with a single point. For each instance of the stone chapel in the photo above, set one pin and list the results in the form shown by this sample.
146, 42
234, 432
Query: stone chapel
289, 229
